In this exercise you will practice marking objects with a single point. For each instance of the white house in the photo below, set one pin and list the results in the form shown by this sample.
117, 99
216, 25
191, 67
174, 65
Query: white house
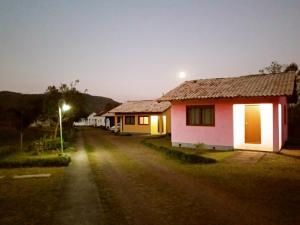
109, 119
95, 120
81, 123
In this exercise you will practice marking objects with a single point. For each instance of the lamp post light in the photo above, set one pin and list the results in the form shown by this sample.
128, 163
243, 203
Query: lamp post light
61, 109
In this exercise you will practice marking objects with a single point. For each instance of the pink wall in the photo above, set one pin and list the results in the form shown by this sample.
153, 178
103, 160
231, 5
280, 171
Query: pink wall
284, 126
220, 134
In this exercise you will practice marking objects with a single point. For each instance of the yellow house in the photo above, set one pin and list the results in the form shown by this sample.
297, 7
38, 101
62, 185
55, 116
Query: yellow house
147, 117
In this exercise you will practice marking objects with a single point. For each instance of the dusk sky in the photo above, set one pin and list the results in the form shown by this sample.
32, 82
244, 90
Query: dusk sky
132, 50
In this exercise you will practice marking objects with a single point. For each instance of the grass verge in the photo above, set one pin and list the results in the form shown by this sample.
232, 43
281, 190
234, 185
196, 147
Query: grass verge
176, 154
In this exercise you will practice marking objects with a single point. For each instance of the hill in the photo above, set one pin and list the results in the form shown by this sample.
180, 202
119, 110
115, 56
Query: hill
99, 103
11, 100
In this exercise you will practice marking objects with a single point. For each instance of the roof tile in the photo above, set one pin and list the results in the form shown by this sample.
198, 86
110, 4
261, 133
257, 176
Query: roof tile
259, 85
145, 106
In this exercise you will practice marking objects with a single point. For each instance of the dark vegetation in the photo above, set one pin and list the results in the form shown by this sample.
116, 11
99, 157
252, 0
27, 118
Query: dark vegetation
177, 154
294, 107
19, 111
10, 102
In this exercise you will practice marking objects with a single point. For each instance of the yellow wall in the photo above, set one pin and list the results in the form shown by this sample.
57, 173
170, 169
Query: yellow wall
136, 128
168, 114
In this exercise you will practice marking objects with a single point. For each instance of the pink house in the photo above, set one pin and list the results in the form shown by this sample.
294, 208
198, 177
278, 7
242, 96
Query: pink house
247, 112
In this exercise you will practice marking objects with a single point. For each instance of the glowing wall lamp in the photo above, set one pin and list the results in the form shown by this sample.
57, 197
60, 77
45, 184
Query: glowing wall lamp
61, 109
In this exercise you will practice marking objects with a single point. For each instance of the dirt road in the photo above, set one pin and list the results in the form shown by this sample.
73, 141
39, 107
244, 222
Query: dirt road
139, 186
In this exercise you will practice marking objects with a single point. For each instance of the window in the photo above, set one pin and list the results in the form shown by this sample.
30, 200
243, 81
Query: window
129, 120
202, 115
143, 120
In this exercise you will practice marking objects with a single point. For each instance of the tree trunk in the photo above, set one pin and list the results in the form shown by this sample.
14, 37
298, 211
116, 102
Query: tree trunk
56, 128
21, 141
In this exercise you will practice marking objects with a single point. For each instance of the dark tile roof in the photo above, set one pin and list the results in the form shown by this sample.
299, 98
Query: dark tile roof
280, 84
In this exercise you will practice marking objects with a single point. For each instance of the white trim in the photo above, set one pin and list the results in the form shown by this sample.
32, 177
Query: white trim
280, 126
266, 114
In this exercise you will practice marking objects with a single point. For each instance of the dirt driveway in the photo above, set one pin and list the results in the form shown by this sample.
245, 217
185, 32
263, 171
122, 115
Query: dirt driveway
138, 186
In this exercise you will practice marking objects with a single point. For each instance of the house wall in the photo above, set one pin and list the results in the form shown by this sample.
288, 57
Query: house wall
221, 135
280, 122
167, 113
99, 121
109, 121
138, 128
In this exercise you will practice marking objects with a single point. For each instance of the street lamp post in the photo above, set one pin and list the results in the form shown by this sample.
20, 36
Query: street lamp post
61, 109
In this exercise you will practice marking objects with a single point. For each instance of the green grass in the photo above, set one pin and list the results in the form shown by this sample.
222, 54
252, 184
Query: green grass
89, 147
29, 201
27, 159
165, 142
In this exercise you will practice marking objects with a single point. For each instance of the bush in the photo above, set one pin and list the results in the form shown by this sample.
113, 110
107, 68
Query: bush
7, 150
50, 143
182, 156
55, 161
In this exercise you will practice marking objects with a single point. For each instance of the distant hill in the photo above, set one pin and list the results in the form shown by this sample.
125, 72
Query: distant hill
99, 103
10, 100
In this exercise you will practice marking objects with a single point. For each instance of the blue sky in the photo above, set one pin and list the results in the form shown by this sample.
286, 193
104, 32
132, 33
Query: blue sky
130, 50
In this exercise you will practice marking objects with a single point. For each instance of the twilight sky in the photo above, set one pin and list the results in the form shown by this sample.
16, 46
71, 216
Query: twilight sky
135, 49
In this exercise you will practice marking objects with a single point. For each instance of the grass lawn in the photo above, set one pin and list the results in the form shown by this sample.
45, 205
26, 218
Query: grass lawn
273, 182
29, 201
214, 154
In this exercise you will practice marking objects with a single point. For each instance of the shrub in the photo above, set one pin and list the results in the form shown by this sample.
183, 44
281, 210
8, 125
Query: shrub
50, 143
6, 150
182, 156
55, 161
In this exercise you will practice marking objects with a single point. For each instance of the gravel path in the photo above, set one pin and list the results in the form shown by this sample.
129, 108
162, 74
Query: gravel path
79, 201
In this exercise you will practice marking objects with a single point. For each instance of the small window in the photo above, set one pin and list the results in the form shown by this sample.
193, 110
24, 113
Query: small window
129, 120
203, 115
143, 120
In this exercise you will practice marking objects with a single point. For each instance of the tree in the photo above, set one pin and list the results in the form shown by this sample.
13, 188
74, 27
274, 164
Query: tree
292, 67
24, 115
275, 67
64, 93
